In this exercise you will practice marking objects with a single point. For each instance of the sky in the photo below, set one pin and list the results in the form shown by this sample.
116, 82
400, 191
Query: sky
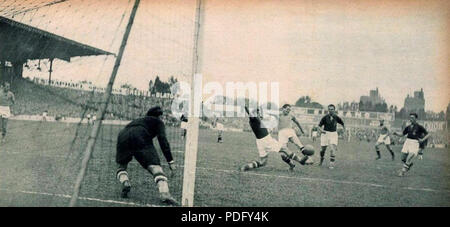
333, 51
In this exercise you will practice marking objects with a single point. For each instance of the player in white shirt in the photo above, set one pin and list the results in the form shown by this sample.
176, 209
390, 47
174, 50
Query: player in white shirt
285, 131
385, 139
7, 99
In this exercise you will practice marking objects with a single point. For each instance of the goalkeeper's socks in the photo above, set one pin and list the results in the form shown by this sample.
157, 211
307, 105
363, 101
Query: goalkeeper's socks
122, 176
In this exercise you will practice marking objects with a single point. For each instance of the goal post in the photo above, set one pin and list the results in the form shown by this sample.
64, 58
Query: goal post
96, 129
190, 161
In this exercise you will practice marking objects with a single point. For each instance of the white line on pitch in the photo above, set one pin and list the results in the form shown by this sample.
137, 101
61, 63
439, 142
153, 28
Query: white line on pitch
81, 198
299, 178
326, 180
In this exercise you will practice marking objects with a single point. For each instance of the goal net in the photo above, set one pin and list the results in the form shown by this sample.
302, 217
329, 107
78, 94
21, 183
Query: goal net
67, 53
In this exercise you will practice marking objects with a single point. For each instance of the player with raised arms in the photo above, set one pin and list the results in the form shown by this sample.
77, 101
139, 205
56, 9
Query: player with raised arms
410, 148
136, 140
329, 136
385, 139
265, 143
7, 99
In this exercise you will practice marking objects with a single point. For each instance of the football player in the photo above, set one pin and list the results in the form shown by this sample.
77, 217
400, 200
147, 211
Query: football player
136, 140
329, 136
410, 148
285, 131
265, 143
385, 139
7, 99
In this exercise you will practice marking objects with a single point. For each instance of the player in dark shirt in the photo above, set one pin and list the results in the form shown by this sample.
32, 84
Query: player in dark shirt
265, 143
329, 136
136, 140
414, 136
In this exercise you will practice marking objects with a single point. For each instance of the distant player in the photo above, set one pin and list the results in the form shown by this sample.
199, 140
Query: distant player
184, 125
88, 117
136, 140
44, 115
329, 135
265, 143
411, 146
314, 133
285, 131
385, 139
7, 99
219, 126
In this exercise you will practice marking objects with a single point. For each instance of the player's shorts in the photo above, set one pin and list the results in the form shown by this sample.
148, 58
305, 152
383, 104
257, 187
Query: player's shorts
287, 133
382, 139
314, 134
423, 144
5, 112
219, 126
411, 146
44, 114
267, 144
184, 125
328, 138
136, 142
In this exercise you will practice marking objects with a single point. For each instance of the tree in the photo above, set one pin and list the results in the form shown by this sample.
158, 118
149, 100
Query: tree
305, 101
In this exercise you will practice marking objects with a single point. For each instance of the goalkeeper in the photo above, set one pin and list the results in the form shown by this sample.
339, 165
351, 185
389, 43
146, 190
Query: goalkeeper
136, 140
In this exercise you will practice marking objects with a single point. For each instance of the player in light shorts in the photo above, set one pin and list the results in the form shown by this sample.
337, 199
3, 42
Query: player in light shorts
329, 136
265, 144
385, 139
410, 149
184, 125
7, 99
286, 133
314, 133
44, 115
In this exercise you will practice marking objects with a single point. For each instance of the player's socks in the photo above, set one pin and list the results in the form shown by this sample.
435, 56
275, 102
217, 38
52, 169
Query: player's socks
332, 159
163, 188
122, 176
322, 157
298, 159
285, 158
378, 154
251, 165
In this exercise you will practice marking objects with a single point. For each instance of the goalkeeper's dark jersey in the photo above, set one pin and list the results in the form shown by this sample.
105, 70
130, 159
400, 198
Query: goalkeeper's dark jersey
155, 128
258, 128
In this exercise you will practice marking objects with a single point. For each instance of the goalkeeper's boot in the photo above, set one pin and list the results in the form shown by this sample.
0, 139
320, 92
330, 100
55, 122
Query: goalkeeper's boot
126, 187
167, 199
